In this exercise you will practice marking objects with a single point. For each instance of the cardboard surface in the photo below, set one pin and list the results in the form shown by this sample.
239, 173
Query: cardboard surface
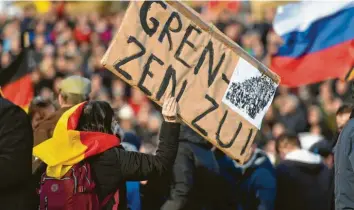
164, 49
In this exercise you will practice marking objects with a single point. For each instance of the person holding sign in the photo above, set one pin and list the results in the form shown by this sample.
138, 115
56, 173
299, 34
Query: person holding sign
99, 149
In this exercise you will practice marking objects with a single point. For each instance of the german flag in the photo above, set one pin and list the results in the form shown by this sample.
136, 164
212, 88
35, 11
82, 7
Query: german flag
68, 146
16, 80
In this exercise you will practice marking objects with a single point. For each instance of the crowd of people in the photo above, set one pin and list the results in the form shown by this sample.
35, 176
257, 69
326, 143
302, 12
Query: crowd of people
290, 165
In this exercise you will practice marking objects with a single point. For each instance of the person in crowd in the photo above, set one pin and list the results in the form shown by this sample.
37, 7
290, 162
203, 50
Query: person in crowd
16, 141
342, 117
40, 109
302, 178
195, 169
72, 91
133, 187
114, 166
291, 114
344, 165
254, 182
126, 118
324, 149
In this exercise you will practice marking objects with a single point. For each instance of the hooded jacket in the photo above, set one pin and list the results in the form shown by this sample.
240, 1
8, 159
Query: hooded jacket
195, 181
254, 182
303, 182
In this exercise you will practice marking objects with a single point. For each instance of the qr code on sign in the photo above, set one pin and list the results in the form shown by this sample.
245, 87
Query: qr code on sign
252, 95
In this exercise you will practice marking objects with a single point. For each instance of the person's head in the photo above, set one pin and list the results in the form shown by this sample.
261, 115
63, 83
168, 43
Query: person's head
289, 105
326, 91
126, 117
287, 143
233, 30
5, 60
343, 115
273, 42
97, 116
324, 149
341, 87
39, 42
314, 115
278, 129
39, 109
73, 90
154, 123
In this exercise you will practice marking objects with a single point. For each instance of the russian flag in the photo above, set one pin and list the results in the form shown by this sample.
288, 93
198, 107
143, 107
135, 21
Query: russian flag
318, 41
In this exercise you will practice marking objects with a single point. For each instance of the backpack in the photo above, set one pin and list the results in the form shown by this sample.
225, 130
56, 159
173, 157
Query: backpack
76, 190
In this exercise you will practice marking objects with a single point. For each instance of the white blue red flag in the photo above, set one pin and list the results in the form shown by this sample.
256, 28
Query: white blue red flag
318, 41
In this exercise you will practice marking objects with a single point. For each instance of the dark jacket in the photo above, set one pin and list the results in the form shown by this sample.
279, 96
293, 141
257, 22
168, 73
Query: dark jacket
254, 182
114, 167
295, 121
195, 177
16, 142
303, 182
344, 168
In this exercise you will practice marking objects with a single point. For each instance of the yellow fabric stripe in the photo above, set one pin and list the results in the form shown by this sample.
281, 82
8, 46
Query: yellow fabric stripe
63, 150
351, 75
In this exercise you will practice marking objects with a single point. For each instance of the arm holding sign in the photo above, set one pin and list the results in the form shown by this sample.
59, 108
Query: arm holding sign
142, 166
111, 171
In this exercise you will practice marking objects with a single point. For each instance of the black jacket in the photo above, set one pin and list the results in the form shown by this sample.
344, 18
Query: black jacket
114, 167
16, 142
195, 181
303, 182
111, 172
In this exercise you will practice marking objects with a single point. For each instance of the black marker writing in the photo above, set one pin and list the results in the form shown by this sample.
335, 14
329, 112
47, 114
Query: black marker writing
211, 74
120, 63
202, 115
147, 71
143, 17
189, 31
231, 142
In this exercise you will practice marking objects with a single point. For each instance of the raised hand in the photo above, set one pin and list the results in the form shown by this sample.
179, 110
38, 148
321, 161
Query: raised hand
170, 109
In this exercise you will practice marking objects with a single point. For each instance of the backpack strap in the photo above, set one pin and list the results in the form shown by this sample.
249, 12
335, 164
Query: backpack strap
114, 195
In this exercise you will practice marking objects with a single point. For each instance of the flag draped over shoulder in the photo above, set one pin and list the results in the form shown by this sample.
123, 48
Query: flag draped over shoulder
68, 146
318, 41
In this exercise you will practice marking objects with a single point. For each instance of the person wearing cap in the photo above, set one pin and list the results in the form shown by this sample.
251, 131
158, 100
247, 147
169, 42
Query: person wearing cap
72, 91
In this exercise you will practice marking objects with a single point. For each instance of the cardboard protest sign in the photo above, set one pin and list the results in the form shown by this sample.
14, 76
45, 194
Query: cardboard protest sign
165, 49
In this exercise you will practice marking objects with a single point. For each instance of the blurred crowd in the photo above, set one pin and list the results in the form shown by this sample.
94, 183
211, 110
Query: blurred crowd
68, 44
